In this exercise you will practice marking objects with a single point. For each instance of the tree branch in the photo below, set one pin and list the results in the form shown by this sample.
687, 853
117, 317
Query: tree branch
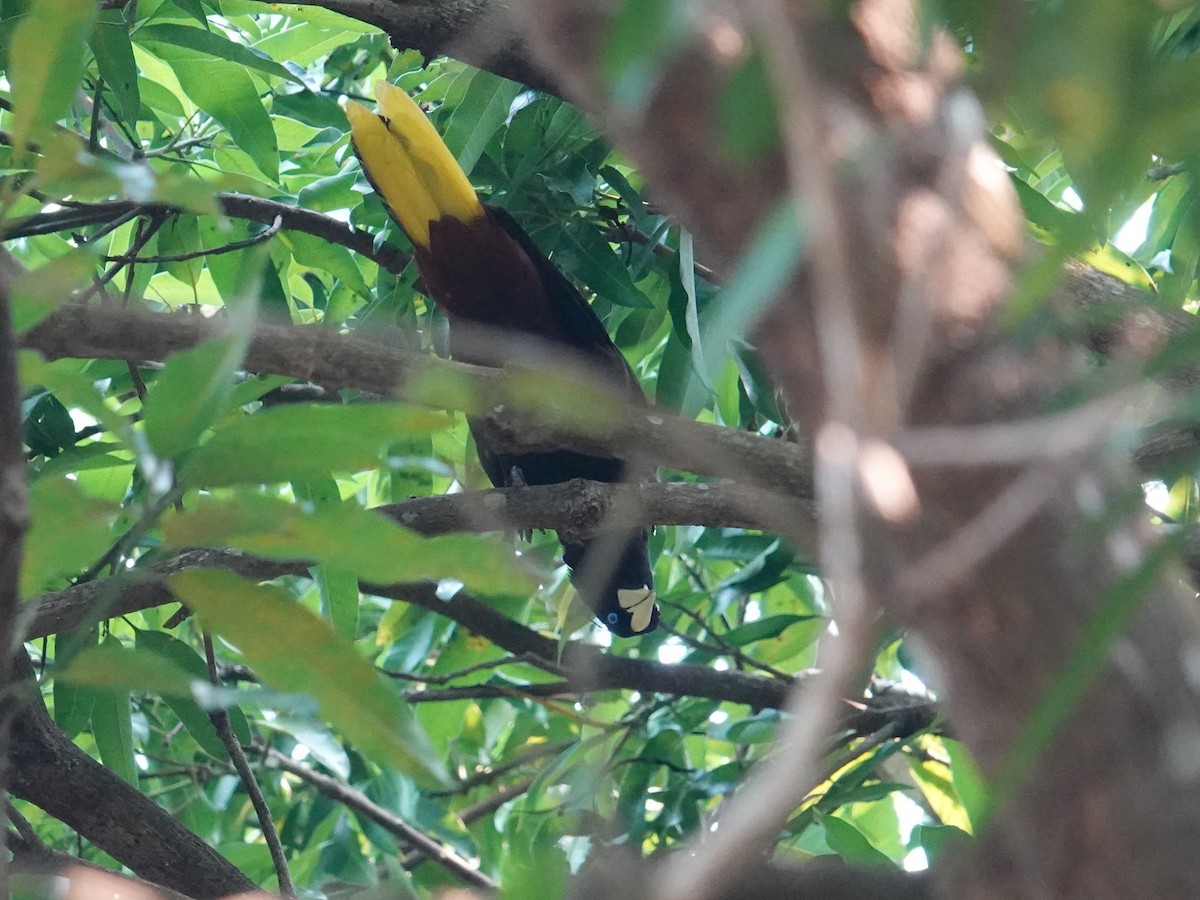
359, 803
52, 773
237, 206
478, 32
588, 668
14, 520
340, 361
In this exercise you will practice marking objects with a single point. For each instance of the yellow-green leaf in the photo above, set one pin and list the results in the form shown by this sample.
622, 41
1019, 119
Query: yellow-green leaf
291, 649
350, 539
46, 63
304, 441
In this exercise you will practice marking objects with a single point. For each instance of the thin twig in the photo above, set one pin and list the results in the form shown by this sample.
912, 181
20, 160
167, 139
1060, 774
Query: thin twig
142, 239
28, 833
467, 870
266, 822
526, 658
270, 232
490, 774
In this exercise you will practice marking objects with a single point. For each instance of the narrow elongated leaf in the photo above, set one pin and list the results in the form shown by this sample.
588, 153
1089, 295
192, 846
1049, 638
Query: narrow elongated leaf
114, 58
46, 61
301, 441
349, 539
762, 629
312, 659
213, 44
113, 665
226, 92
192, 390
586, 253
70, 531
337, 586
186, 660
112, 726
73, 706
478, 116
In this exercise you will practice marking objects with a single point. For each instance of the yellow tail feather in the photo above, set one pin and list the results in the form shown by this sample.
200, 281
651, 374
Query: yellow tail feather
406, 160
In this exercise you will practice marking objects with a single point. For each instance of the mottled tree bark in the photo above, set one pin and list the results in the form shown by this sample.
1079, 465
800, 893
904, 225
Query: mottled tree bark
1021, 578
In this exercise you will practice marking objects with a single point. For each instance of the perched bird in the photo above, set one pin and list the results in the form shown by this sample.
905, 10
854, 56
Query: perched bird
484, 270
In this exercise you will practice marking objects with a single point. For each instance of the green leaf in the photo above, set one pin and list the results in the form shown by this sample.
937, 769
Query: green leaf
534, 864
314, 660
114, 58
337, 586
180, 237
317, 253
756, 729
49, 428
112, 725
482, 111
112, 665
191, 392
302, 441
38, 292
73, 706
70, 531
46, 63
211, 44
933, 839
691, 315
226, 92
349, 539
585, 253
183, 658
73, 389
851, 844
968, 783
762, 629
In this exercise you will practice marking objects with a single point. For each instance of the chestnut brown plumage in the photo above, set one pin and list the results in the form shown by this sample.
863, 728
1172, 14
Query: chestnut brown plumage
484, 270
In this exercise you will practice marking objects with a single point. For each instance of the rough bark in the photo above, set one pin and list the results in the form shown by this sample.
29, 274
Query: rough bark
52, 773
1021, 580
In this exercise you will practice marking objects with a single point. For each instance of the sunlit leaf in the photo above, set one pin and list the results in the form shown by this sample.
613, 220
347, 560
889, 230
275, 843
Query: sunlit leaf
46, 61
302, 441
225, 91
349, 539
189, 394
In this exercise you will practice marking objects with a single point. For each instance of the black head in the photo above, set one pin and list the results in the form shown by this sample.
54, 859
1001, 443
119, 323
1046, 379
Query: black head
620, 591
629, 612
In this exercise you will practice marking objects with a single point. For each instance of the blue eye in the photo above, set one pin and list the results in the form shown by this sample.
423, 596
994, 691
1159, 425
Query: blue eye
612, 618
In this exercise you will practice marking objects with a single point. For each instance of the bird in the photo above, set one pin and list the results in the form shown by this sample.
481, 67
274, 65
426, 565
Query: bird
483, 270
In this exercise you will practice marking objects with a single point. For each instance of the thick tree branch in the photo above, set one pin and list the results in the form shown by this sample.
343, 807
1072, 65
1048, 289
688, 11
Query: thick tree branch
619, 873
588, 668
478, 32
341, 361
14, 520
52, 773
